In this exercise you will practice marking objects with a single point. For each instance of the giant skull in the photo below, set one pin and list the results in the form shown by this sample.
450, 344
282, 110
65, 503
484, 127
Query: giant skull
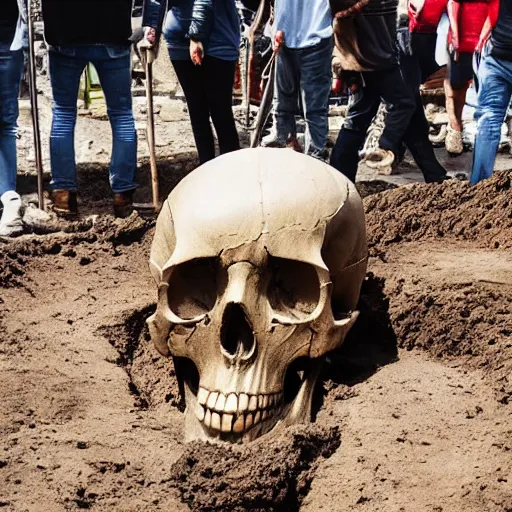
259, 256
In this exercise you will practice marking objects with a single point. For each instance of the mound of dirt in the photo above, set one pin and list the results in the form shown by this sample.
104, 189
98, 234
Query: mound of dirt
453, 301
462, 318
82, 239
472, 320
459, 302
269, 475
451, 210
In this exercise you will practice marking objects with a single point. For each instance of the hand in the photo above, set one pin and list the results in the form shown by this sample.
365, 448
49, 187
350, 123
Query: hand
480, 46
453, 47
149, 37
337, 85
148, 47
196, 52
278, 40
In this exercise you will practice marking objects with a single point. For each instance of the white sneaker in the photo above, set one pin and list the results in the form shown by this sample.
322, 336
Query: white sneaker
11, 223
272, 141
454, 144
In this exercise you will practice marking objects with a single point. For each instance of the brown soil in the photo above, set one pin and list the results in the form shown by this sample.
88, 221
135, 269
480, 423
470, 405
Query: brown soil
414, 413
273, 474
454, 210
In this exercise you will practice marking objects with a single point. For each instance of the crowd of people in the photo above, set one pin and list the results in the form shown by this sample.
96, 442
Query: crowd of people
377, 51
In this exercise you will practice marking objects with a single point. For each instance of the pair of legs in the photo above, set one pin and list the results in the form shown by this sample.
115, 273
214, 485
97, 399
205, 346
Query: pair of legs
114, 70
304, 72
460, 74
494, 94
385, 85
11, 71
208, 89
417, 65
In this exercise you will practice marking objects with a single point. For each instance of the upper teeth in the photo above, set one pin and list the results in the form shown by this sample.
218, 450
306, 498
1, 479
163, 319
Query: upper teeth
234, 412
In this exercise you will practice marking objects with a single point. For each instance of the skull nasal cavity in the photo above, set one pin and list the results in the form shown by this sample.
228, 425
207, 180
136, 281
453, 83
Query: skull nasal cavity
236, 336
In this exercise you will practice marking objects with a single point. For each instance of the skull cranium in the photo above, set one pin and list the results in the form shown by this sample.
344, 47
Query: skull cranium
259, 257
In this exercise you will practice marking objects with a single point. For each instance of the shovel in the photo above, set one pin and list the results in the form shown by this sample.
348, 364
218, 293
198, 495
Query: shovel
248, 48
34, 104
268, 75
148, 57
265, 103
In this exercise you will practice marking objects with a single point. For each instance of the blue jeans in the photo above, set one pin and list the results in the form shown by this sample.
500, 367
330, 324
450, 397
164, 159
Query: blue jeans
11, 71
495, 77
114, 70
304, 71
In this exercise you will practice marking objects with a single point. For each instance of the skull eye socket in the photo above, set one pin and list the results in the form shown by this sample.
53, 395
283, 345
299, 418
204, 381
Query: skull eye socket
294, 289
193, 288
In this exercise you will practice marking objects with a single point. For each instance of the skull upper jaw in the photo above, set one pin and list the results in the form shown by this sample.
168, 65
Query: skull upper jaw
249, 425
241, 400
237, 398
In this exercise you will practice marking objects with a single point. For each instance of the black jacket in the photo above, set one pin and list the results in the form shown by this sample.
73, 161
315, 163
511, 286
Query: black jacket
200, 15
366, 41
501, 39
76, 22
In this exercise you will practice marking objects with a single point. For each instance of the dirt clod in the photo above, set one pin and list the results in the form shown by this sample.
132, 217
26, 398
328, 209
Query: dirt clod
271, 475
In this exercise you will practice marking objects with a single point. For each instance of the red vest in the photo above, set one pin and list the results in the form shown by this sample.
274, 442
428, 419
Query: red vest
428, 19
472, 16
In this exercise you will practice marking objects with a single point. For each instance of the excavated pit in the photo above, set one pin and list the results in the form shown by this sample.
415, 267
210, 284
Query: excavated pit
413, 413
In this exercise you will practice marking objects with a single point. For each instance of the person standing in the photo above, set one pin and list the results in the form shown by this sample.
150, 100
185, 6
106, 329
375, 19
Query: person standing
417, 44
467, 19
13, 18
495, 87
303, 68
203, 39
366, 57
79, 32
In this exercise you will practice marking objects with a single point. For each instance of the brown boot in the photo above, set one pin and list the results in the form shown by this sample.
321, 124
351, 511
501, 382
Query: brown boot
293, 143
64, 203
123, 204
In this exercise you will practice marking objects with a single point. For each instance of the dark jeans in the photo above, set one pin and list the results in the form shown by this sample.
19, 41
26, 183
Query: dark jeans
423, 47
208, 90
383, 85
416, 68
11, 70
113, 65
304, 72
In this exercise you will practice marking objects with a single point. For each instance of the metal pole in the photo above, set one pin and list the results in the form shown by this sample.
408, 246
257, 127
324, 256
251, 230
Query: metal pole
155, 188
249, 54
34, 104
247, 83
